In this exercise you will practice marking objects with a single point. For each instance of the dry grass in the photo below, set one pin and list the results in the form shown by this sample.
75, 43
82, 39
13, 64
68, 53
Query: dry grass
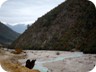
17, 51
11, 67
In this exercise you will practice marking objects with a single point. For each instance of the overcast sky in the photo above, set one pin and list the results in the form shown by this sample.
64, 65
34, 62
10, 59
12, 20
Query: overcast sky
26, 11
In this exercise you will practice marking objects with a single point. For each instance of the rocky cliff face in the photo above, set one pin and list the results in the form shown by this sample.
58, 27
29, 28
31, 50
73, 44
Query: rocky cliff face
71, 25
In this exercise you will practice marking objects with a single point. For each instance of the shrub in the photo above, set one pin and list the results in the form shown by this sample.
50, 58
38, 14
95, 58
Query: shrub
17, 51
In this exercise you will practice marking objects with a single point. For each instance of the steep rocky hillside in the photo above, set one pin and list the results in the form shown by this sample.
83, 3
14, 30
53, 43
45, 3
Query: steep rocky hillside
7, 35
71, 25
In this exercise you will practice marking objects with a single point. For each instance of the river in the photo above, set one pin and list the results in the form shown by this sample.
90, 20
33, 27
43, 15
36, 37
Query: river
39, 63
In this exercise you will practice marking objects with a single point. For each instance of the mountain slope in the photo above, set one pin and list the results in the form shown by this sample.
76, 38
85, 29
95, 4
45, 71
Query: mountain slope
20, 28
71, 25
6, 34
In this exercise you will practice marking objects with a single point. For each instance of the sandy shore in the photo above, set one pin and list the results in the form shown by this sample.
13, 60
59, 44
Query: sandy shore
54, 61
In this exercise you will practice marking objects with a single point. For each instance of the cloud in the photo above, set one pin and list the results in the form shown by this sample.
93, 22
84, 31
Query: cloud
18, 11
21, 11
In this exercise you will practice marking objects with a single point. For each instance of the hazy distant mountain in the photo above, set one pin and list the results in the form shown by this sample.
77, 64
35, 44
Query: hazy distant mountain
71, 25
7, 35
20, 28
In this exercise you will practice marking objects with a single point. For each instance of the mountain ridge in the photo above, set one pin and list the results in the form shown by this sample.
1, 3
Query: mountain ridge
66, 27
20, 28
7, 35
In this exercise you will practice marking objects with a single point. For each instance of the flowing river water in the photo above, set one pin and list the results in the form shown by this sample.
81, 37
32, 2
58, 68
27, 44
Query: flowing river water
41, 68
